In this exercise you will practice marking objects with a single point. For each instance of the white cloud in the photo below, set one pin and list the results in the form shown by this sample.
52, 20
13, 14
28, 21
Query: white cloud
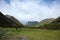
30, 10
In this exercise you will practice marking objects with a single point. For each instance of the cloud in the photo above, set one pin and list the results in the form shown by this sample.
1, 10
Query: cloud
31, 10
7, 1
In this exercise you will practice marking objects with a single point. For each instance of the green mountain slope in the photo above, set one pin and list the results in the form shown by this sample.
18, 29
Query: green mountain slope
9, 21
17, 23
52, 25
46, 21
36, 24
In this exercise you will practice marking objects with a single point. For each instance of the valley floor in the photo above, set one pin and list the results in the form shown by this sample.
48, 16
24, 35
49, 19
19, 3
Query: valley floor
33, 34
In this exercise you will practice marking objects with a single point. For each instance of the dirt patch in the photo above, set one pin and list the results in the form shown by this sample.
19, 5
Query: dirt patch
21, 37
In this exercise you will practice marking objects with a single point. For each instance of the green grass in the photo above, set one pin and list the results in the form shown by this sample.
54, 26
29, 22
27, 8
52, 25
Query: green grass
36, 34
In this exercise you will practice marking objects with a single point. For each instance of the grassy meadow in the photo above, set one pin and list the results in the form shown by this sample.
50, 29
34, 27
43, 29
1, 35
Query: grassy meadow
36, 34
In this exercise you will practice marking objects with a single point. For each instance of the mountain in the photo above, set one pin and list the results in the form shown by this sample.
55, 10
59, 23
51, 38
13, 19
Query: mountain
36, 24
31, 23
57, 20
54, 25
19, 24
46, 21
9, 21
4, 20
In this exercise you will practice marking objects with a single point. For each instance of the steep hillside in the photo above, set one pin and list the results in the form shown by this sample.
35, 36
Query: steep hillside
9, 21
17, 23
57, 20
46, 21
52, 25
36, 24
4, 21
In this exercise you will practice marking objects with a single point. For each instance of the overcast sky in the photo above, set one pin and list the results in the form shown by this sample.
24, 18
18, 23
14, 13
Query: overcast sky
31, 10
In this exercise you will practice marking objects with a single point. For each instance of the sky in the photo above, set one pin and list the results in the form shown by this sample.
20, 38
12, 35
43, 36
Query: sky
30, 10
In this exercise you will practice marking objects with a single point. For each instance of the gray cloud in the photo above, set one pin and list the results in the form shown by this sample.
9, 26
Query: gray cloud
30, 10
